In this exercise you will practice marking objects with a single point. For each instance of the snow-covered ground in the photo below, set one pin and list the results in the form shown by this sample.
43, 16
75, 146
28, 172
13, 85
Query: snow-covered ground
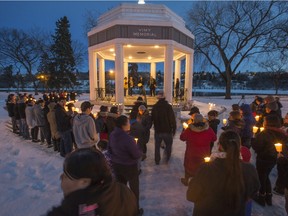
29, 172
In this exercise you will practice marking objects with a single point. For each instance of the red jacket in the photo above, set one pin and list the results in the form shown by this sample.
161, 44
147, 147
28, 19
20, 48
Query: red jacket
198, 141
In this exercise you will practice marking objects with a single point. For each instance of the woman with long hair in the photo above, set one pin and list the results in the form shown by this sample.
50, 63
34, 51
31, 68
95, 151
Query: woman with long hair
223, 185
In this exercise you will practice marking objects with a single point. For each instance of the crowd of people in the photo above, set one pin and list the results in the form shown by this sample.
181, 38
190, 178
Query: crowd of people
103, 153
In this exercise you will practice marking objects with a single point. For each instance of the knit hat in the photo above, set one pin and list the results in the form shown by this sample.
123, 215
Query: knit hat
85, 105
142, 107
194, 110
86, 163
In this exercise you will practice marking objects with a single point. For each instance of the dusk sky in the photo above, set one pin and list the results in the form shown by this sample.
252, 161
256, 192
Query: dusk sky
26, 15
44, 14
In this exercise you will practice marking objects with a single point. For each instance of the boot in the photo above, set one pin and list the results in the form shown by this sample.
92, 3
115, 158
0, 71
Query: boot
268, 199
260, 199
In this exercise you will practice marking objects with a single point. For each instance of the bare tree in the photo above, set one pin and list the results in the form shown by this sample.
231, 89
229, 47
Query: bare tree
228, 34
21, 50
276, 65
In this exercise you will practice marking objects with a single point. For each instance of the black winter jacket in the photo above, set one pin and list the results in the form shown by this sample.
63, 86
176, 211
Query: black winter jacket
264, 142
62, 119
163, 117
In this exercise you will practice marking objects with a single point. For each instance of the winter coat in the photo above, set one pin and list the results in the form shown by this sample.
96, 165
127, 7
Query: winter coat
10, 108
235, 125
104, 200
110, 122
123, 148
198, 141
163, 117
137, 131
16, 111
214, 125
263, 144
62, 119
39, 115
206, 188
101, 126
84, 131
29, 112
52, 121
249, 121
21, 110
146, 121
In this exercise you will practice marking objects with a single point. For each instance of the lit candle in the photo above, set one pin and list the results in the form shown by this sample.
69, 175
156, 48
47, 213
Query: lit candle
207, 159
257, 118
261, 129
76, 109
66, 109
73, 109
185, 125
136, 140
255, 129
278, 147
224, 121
95, 115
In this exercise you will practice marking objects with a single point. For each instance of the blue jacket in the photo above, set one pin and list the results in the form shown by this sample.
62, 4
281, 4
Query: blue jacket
249, 120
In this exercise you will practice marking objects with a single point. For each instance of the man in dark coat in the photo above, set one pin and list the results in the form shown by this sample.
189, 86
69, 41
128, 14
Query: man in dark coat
63, 121
164, 122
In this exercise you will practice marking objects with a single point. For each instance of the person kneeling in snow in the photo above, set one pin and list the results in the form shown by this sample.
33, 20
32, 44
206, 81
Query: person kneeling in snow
88, 188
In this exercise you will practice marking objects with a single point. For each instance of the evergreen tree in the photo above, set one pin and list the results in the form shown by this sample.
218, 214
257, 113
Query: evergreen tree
63, 63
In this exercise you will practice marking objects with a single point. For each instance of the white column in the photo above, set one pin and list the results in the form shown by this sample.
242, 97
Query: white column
168, 72
177, 71
92, 74
101, 72
119, 74
153, 69
189, 75
126, 70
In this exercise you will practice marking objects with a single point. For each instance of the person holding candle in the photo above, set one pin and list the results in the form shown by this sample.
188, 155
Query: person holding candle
146, 120
213, 123
249, 122
194, 110
84, 129
125, 154
224, 185
235, 122
266, 158
198, 137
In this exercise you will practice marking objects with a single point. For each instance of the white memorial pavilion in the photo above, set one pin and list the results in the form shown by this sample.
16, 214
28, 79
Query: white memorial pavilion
140, 33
